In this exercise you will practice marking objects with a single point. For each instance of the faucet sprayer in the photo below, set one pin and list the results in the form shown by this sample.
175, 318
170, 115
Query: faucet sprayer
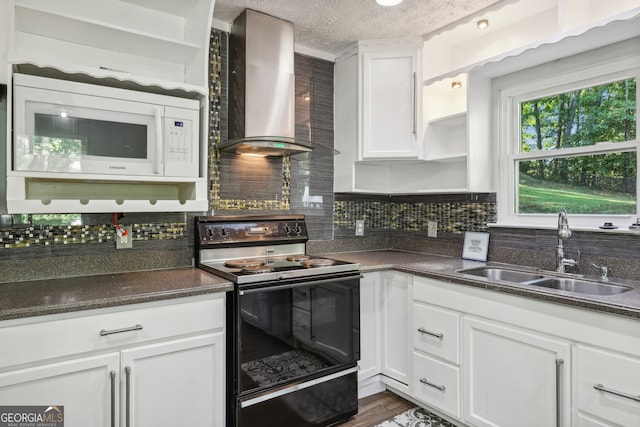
564, 232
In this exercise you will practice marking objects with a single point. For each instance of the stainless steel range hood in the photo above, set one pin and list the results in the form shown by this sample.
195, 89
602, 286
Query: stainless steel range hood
262, 87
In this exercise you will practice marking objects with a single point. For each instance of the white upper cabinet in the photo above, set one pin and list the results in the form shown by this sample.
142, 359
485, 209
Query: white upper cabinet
376, 100
377, 111
163, 43
390, 102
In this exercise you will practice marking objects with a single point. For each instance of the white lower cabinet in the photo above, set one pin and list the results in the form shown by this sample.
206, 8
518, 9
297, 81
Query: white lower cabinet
83, 386
607, 388
369, 363
174, 383
488, 358
514, 377
122, 374
437, 384
395, 341
436, 355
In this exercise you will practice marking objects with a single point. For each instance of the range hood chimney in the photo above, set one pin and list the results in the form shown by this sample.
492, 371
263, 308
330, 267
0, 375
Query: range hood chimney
262, 87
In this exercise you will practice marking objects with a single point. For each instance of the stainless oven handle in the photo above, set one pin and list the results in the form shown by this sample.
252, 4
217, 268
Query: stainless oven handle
296, 387
298, 284
159, 143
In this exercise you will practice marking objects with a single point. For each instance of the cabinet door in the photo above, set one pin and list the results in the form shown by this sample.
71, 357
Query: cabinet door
85, 387
395, 325
389, 122
514, 377
174, 383
436, 383
369, 363
607, 388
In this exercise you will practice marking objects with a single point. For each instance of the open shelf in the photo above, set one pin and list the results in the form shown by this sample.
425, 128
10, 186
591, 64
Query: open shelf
137, 38
63, 193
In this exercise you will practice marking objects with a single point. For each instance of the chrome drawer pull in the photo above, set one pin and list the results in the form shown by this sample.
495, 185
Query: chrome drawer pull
617, 393
426, 382
112, 374
127, 371
433, 334
119, 331
559, 363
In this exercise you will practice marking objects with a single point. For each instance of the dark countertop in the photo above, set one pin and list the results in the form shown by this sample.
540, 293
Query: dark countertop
42, 297
445, 268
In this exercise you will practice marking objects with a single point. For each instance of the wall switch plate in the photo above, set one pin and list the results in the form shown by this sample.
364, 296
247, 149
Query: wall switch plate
360, 227
125, 242
432, 229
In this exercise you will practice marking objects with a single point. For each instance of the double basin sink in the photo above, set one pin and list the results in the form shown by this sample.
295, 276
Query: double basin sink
568, 284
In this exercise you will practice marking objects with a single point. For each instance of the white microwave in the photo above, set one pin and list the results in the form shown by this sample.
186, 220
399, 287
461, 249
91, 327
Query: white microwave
69, 127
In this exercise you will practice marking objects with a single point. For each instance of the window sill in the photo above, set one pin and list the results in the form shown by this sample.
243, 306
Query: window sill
624, 229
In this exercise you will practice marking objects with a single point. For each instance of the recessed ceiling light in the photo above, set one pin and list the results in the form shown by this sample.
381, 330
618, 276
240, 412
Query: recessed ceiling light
388, 2
483, 23
456, 85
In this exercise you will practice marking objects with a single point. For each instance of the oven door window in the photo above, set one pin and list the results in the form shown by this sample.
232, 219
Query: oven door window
289, 333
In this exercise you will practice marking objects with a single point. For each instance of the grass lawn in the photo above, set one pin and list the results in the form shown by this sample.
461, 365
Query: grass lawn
538, 196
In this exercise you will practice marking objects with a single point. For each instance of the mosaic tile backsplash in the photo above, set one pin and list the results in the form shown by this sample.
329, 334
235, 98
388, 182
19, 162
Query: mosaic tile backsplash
23, 236
454, 214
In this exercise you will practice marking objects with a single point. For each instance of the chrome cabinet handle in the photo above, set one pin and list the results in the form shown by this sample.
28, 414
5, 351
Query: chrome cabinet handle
127, 371
617, 393
415, 105
112, 374
559, 363
104, 332
430, 384
159, 143
438, 335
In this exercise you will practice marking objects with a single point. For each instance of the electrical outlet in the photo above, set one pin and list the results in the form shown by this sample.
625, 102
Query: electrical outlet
125, 241
432, 229
360, 227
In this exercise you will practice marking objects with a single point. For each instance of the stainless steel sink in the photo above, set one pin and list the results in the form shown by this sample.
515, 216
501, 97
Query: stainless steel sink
580, 286
497, 273
567, 284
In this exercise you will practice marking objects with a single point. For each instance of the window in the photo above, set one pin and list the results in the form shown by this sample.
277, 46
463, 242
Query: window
568, 139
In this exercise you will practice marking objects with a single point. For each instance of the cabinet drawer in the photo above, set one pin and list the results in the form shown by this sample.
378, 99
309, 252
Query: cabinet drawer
49, 339
436, 331
617, 373
437, 384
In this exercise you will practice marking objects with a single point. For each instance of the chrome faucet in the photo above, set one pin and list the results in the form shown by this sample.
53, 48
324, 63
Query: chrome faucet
564, 232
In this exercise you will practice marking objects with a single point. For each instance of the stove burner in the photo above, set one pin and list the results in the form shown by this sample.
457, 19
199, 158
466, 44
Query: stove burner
243, 263
297, 258
317, 262
257, 269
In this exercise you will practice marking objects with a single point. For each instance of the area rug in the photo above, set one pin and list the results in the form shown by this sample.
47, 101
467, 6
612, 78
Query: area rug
281, 367
416, 417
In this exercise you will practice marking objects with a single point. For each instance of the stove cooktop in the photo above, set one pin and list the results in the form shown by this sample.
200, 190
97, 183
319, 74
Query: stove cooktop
263, 248
279, 268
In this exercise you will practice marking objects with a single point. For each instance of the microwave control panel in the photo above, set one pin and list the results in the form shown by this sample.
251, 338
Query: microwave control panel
181, 143
179, 134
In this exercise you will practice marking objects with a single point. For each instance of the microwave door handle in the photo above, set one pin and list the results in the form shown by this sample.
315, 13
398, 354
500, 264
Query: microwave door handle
159, 142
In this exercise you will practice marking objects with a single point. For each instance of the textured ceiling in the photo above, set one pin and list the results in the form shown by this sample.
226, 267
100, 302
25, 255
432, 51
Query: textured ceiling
331, 25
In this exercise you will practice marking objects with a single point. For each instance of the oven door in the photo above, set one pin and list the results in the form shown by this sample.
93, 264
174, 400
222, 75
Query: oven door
293, 340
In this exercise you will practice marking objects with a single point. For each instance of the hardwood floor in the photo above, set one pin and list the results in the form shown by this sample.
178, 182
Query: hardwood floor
377, 408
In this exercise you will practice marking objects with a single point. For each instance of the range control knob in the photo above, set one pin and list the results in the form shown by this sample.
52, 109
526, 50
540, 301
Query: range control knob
297, 229
287, 229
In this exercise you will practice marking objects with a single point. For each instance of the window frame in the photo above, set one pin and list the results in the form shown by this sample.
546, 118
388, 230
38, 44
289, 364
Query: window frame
601, 66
